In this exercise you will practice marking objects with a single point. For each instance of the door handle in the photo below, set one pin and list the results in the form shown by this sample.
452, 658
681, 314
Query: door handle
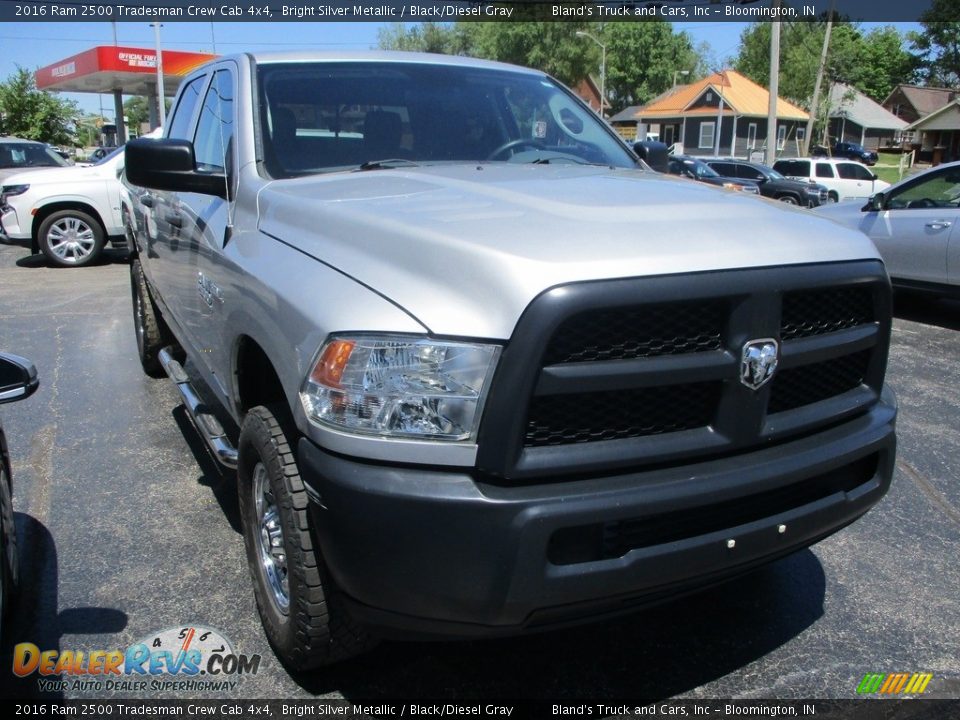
174, 218
147, 201
938, 224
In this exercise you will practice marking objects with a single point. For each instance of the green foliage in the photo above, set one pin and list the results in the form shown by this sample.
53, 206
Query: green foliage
425, 37
874, 62
137, 111
641, 57
938, 46
553, 47
884, 63
33, 114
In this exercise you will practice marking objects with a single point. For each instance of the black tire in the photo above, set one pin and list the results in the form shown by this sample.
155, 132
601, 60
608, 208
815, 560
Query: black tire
71, 238
314, 628
788, 199
9, 559
152, 334
833, 196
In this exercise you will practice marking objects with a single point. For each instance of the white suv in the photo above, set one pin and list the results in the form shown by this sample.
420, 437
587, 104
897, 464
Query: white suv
844, 179
67, 213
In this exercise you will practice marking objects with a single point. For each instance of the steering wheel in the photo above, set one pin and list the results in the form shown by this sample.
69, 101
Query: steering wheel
921, 203
511, 144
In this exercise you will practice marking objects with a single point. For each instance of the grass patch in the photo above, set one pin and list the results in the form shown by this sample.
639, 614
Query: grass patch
888, 167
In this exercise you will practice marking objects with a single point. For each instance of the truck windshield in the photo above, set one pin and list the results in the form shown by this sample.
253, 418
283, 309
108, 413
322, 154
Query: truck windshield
324, 117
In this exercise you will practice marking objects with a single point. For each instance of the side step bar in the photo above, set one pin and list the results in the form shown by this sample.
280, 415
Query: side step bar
209, 427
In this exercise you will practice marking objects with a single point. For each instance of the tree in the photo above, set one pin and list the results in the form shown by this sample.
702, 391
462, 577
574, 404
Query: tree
883, 63
552, 47
874, 63
642, 58
137, 112
937, 48
800, 47
34, 114
425, 37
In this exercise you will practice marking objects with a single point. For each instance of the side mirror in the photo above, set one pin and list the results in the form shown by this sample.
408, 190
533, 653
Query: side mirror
875, 203
653, 153
18, 378
170, 165
874, 176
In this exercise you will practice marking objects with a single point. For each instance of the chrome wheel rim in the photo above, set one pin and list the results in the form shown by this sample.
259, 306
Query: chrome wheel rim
138, 312
270, 546
71, 240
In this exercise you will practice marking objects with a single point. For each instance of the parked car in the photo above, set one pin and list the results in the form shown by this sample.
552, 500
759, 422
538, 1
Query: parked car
18, 380
849, 150
68, 214
771, 183
478, 370
696, 169
844, 179
914, 225
17, 155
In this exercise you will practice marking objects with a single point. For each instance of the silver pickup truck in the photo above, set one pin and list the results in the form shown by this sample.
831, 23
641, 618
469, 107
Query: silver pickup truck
479, 369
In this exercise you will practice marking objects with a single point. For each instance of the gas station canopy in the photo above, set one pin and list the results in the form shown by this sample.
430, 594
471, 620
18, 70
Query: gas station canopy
109, 68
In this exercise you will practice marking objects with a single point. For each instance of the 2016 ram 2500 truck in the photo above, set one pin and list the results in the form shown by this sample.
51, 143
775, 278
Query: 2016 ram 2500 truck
481, 371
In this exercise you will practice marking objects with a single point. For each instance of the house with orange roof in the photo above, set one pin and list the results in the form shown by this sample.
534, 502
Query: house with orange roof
724, 105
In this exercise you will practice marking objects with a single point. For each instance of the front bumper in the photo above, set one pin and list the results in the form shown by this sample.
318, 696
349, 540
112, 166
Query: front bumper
440, 552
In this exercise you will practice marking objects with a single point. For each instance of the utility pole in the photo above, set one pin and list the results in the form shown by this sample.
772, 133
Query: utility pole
814, 104
774, 91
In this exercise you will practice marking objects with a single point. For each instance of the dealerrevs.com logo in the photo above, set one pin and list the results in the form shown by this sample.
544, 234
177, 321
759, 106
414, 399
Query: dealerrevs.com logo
189, 658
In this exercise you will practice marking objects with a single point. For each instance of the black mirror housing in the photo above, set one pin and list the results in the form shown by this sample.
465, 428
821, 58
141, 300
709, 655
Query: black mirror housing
166, 164
18, 378
875, 203
653, 153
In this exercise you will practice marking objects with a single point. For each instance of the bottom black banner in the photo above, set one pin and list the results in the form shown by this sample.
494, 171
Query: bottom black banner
865, 709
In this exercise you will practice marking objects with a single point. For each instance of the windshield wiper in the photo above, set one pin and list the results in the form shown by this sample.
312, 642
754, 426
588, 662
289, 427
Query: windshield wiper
387, 164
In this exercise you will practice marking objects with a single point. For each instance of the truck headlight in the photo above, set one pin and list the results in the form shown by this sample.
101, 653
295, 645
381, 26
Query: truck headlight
398, 386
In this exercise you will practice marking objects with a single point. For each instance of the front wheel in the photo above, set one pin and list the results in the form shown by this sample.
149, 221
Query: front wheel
788, 199
297, 600
71, 238
152, 334
9, 562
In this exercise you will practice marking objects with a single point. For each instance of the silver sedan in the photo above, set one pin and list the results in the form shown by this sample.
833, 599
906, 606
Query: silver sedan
914, 226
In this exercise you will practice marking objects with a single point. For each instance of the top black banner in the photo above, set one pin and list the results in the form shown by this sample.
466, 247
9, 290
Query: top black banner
458, 10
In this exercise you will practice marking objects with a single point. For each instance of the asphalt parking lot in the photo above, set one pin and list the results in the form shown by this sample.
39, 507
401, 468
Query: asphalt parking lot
128, 528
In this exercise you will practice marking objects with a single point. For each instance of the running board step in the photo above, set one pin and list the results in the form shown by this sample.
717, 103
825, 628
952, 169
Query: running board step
207, 425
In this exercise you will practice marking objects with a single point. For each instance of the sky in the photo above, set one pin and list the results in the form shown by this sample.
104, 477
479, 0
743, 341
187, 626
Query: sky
37, 44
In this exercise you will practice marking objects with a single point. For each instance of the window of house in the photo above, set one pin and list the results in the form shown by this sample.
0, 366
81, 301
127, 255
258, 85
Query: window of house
781, 136
801, 134
706, 134
751, 136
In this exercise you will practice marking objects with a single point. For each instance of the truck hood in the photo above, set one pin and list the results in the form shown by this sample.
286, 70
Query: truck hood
72, 174
465, 248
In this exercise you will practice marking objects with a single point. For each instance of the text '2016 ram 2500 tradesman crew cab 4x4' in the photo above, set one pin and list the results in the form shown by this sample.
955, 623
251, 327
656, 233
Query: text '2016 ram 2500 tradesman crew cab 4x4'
479, 370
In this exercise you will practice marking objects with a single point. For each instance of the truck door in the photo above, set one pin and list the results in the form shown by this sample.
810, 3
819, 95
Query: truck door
206, 225
164, 251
